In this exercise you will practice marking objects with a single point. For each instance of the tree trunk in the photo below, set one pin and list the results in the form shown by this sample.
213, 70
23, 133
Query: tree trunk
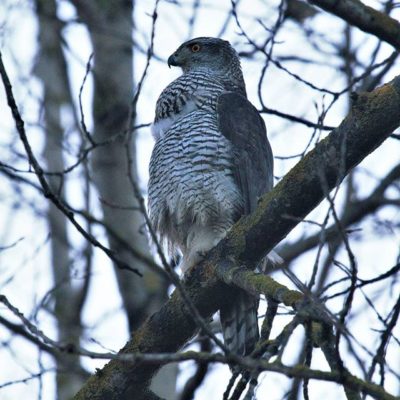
51, 69
110, 26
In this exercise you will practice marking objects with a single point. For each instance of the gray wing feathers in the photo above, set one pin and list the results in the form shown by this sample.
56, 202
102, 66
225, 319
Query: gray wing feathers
241, 124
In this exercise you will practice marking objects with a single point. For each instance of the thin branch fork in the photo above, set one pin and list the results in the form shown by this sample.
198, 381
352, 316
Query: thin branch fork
373, 118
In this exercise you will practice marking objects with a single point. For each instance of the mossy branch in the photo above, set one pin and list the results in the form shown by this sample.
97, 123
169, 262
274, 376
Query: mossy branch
350, 381
372, 119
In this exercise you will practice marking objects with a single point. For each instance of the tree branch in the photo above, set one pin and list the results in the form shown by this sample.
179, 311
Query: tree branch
365, 18
354, 213
373, 118
20, 330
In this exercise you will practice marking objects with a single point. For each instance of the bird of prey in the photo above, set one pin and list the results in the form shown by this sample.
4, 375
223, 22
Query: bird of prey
210, 164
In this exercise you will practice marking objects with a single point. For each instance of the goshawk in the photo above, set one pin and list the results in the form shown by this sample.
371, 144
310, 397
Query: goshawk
210, 164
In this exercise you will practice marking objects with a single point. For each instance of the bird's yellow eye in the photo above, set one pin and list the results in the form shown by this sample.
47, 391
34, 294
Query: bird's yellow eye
195, 48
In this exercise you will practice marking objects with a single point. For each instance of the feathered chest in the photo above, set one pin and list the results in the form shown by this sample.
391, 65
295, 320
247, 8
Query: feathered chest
191, 171
193, 91
192, 148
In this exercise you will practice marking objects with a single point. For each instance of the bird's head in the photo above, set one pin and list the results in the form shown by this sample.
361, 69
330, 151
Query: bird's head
213, 54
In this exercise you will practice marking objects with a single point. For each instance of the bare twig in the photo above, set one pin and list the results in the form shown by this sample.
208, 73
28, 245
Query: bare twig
48, 193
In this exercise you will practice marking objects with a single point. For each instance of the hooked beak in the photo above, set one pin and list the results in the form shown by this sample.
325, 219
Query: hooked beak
172, 61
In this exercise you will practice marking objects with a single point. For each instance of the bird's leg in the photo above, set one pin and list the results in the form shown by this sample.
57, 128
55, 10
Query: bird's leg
201, 239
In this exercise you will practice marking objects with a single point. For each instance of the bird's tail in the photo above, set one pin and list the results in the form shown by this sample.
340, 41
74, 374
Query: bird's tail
240, 324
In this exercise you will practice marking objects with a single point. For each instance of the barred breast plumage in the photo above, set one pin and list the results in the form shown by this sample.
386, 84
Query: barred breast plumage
192, 194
